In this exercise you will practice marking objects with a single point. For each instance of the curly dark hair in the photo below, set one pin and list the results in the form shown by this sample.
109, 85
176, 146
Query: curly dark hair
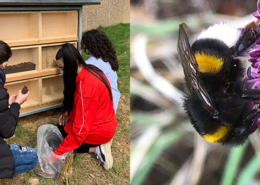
99, 45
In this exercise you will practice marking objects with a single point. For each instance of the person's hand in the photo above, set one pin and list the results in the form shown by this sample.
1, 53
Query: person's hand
54, 158
12, 99
57, 158
21, 98
64, 118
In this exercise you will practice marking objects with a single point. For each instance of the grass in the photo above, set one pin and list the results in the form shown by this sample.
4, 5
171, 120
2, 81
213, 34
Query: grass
85, 167
249, 171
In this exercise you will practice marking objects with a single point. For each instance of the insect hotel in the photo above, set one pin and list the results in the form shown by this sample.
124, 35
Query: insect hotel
35, 31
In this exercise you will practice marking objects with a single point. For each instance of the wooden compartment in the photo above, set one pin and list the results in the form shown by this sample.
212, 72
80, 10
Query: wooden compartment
35, 37
49, 53
52, 88
27, 28
41, 55
19, 28
24, 56
34, 88
59, 26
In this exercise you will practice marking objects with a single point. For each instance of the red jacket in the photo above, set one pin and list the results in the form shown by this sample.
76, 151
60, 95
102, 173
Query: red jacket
92, 119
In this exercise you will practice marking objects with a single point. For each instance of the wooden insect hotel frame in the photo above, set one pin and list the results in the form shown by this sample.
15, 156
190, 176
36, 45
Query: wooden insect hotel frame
35, 30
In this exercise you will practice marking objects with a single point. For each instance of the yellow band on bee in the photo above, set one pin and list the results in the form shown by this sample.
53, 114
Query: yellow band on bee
208, 63
220, 134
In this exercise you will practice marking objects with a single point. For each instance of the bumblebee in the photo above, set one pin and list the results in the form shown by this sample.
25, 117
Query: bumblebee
221, 107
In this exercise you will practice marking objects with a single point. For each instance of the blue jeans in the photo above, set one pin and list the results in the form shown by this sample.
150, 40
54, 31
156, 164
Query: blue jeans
25, 158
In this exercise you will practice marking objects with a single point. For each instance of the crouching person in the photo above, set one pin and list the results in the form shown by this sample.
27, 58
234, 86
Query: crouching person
14, 159
89, 117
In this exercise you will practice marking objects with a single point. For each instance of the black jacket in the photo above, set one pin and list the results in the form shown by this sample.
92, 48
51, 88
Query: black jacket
8, 122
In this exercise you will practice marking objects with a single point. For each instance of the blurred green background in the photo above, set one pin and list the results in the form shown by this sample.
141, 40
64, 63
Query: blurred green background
165, 149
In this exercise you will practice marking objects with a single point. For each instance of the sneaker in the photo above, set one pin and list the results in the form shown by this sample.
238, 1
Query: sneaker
103, 153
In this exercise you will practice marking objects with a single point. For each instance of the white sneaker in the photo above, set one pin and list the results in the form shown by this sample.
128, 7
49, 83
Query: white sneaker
103, 153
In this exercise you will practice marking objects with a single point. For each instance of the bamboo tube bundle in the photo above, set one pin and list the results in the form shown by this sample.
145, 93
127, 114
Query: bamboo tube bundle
66, 170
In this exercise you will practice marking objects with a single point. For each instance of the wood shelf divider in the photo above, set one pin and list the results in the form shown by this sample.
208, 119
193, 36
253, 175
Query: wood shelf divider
35, 37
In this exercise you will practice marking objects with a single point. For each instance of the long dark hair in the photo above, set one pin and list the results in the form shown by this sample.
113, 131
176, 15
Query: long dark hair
72, 59
99, 45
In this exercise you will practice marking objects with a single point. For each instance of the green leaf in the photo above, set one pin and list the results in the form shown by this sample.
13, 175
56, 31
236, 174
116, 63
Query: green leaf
166, 27
161, 28
152, 118
234, 160
250, 171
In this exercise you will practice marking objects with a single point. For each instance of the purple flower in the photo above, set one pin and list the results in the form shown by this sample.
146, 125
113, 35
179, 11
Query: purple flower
252, 78
257, 14
253, 72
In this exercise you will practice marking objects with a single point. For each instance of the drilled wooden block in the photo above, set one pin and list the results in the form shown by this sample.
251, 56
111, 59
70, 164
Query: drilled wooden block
25, 66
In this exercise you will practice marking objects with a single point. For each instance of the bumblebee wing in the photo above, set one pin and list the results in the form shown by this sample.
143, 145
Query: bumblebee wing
188, 59
191, 71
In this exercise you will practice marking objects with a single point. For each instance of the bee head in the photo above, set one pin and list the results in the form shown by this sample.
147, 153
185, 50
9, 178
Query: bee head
228, 135
237, 136
241, 131
232, 129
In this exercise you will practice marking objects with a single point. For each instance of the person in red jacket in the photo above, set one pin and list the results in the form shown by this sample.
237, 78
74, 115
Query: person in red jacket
89, 116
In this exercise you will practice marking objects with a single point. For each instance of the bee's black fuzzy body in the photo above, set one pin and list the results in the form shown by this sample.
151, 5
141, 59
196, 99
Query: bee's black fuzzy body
214, 103
232, 116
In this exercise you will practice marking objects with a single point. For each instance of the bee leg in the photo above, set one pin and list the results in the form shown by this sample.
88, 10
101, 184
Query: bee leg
252, 120
249, 36
252, 115
251, 95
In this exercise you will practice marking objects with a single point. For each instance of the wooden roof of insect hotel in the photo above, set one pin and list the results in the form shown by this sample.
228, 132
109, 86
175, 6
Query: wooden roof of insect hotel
48, 2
